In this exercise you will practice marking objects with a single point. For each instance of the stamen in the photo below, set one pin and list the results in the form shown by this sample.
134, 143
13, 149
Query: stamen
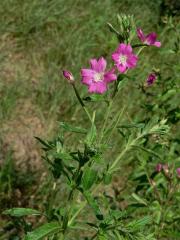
98, 77
123, 59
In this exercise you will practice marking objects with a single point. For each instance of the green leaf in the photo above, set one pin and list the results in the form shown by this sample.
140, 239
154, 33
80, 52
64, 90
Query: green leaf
20, 212
94, 98
91, 136
89, 178
147, 150
70, 128
46, 144
93, 203
138, 224
63, 155
173, 235
43, 231
139, 200
133, 125
107, 179
102, 237
156, 209
168, 94
121, 84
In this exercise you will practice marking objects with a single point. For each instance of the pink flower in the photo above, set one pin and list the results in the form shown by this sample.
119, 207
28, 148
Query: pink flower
178, 172
151, 78
96, 78
149, 39
124, 57
68, 75
159, 167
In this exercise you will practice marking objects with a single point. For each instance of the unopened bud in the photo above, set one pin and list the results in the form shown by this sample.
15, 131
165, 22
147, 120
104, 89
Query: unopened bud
178, 172
159, 167
166, 169
153, 183
151, 79
68, 75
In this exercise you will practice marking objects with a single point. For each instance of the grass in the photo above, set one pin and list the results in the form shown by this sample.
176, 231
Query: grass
50, 36
40, 38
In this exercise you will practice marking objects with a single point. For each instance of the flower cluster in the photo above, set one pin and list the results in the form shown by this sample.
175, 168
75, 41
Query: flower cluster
165, 168
97, 77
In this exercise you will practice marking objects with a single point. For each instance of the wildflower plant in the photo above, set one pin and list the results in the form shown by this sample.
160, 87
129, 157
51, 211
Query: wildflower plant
84, 209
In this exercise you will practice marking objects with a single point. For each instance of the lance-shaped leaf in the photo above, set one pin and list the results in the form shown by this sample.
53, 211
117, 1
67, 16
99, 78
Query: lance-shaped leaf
91, 136
139, 199
89, 178
44, 231
95, 98
20, 212
93, 203
70, 128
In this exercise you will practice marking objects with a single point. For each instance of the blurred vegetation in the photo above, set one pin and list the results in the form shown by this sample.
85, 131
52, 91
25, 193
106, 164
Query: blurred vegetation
40, 38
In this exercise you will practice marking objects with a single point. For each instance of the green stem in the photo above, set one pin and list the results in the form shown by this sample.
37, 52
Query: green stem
156, 192
88, 114
105, 121
77, 213
81, 102
83, 204
70, 204
127, 148
140, 50
139, 45
115, 124
62, 237
111, 169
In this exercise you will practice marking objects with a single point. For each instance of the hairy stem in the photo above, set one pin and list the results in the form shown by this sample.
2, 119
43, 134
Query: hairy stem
81, 102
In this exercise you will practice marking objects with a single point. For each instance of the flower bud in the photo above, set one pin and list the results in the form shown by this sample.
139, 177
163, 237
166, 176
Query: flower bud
68, 75
151, 79
159, 167
166, 169
178, 172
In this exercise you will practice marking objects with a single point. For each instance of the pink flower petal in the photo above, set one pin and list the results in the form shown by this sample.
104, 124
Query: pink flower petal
98, 87
140, 34
110, 76
122, 48
121, 68
115, 57
132, 61
151, 38
87, 73
101, 66
128, 49
157, 44
94, 64
87, 80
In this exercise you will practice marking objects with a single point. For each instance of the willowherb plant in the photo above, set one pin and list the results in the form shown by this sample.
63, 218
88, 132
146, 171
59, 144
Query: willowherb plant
86, 211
